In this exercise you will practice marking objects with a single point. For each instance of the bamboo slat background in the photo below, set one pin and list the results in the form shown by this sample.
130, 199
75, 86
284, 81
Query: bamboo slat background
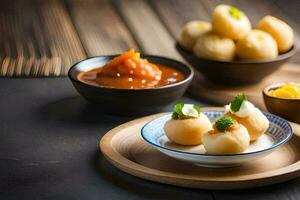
45, 37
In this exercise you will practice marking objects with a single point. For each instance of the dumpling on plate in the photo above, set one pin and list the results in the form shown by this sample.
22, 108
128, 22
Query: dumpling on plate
280, 31
191, 31
230, 22
227, 137
187, 125
257, 44
214, 47
245, 113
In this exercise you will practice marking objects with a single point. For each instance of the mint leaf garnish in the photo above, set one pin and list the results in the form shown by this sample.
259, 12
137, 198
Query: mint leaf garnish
185, 111
224, 123
237, 102
177, 110
235, 13
197, 108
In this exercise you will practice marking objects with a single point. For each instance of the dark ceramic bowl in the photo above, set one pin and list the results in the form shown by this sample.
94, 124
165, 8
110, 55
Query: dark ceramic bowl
130, 101
237, 72
286, 108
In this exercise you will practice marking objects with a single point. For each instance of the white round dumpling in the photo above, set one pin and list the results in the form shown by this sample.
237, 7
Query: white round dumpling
232, 141
231, 22
191, 31
187, 131
280, 31
257, 45
214, 47
256, 123
245, 113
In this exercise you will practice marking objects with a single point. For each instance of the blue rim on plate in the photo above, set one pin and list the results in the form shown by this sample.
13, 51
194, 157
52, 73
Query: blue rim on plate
275, 121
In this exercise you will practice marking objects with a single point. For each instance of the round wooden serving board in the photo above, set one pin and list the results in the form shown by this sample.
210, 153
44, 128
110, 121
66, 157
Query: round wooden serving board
124, 147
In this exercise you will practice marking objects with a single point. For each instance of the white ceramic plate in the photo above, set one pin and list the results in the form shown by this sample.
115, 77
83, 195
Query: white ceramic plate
278, 133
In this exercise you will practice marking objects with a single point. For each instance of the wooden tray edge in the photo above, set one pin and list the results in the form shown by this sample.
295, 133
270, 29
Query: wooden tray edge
116, 159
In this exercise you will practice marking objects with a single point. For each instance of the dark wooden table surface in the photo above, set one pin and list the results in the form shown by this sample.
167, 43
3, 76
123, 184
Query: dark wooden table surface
49, 151
49, 135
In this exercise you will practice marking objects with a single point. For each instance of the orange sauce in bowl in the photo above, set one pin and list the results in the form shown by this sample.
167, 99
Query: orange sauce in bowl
129, 71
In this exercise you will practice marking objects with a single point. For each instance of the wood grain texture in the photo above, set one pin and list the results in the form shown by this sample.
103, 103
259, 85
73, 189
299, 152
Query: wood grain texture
124, 147
175, 13
222, 95
62, 38
146, 27
43, 38
100, 28
37, 39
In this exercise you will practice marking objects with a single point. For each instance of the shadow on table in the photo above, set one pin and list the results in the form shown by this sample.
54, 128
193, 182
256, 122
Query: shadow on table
162, 191
143, 188
76, 109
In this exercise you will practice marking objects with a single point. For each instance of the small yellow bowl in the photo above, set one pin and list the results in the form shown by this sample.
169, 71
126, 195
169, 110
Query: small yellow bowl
286, 108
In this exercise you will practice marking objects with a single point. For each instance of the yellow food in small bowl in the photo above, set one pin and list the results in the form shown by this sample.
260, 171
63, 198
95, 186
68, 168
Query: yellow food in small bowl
283, 99
286, 91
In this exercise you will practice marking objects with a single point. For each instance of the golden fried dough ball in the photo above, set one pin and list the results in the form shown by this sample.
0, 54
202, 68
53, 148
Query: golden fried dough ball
214, 47
230, 22
228, 142
257, 45
187, 131
191, 31
256, 123
280, 31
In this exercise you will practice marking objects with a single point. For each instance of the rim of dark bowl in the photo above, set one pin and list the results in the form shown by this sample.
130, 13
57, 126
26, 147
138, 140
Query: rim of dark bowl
275, 86
185, 80
285, 140
280, 57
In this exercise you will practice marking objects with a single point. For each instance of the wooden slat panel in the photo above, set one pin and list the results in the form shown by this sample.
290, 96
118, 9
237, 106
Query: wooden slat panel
290, 9
147, 28
37, 39
100, 28
175, 13
62, 38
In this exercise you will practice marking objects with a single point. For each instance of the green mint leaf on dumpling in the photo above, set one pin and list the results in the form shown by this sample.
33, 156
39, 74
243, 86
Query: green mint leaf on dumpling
177, 110
235, 13
224, 123
185, 111
235, 105
198, 108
